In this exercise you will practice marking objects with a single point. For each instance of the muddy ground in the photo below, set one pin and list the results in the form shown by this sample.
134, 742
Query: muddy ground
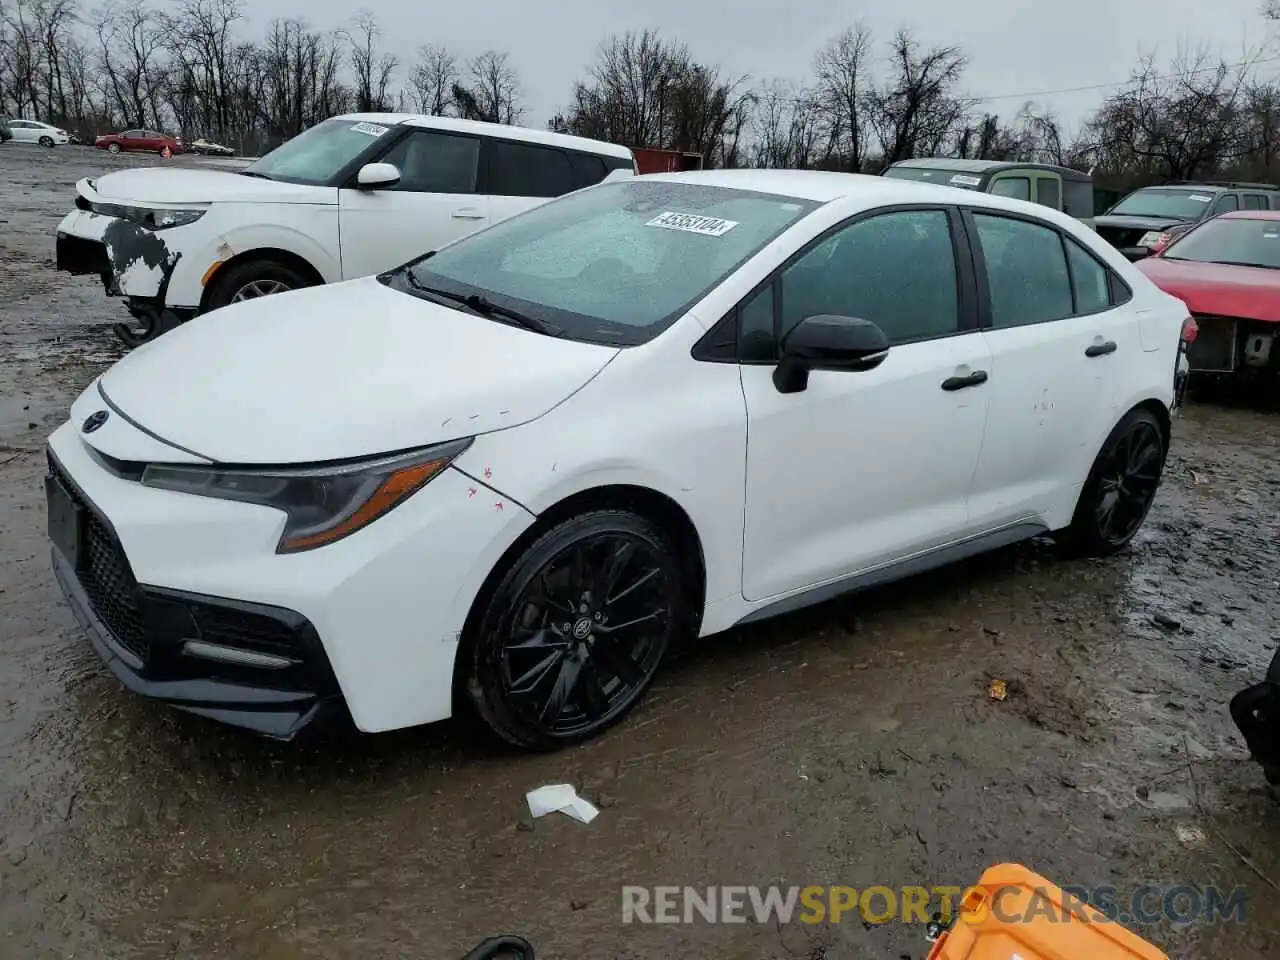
850, 744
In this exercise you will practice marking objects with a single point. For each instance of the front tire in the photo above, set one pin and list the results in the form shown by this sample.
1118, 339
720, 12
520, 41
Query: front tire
46, 142
254, 279
113, 148
573, 632
1120, 488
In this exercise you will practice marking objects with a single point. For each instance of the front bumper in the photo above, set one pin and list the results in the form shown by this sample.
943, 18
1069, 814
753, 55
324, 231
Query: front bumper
250, 665
147, 266
380, 611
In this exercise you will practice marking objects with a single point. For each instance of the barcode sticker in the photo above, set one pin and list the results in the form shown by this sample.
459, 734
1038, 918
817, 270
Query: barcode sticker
692, 223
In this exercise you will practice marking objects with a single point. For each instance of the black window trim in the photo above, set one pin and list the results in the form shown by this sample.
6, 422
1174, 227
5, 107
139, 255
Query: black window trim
1119, 290
720, 344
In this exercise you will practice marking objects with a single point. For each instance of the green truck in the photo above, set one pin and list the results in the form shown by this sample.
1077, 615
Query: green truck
1062, 188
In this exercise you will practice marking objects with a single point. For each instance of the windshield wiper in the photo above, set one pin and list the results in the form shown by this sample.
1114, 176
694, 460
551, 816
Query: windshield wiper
255, 173
486, 307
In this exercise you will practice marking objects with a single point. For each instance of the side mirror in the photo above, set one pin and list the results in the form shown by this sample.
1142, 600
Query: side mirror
828, 342
374, 176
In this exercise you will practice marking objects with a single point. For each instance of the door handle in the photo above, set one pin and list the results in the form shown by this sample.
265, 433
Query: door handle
467, 213
975, 379
1100, 349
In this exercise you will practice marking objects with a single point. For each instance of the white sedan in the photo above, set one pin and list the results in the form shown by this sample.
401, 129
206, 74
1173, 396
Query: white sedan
510, 474
33, 131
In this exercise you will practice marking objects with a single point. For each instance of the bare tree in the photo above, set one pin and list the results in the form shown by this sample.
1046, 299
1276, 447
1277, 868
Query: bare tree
787, 126
917, 109
1180, 124
432, 80
372, 71
843, 87
493, 93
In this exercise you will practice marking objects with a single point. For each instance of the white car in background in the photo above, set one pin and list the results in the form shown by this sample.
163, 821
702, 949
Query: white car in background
513, 473
33, 131
352, 196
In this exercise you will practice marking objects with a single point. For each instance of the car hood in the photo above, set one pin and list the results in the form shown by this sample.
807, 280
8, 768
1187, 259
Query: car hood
160, 185
340, 371
1137, 223
1218, 289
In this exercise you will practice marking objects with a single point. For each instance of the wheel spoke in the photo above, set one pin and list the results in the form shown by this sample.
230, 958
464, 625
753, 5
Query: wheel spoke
562, 690
618, 661
611, 570
594, 701
645, 578
528, 681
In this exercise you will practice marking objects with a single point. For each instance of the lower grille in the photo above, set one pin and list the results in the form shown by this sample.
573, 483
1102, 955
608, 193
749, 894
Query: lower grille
107, 578
1121, 236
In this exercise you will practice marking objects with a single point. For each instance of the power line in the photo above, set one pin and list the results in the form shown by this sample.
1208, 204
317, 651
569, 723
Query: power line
1120, 83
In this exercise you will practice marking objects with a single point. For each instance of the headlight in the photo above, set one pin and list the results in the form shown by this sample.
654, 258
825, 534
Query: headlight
323, 504
154, 218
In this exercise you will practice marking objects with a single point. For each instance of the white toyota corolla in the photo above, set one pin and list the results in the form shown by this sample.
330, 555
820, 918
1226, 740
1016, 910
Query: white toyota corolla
512, 473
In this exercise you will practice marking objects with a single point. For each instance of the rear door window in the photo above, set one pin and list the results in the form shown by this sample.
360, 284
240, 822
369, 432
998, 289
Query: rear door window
1048, 192
587, 169
528, 170
1255, 201
1017, 188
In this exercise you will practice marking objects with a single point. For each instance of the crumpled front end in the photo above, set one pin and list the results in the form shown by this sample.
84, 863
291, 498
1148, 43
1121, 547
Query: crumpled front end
132, 260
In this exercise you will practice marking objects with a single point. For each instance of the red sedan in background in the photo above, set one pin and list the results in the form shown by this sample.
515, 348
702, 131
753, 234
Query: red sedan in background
1227, 271
146, 141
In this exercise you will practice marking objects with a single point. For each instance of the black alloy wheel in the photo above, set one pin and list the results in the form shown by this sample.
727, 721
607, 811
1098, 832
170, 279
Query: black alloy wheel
1121, 487
576, 628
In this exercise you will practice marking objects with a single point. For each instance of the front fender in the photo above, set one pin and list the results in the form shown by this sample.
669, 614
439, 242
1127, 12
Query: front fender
312, 235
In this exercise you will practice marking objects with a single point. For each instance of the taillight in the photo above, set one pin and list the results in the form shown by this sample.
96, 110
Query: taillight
1190, 329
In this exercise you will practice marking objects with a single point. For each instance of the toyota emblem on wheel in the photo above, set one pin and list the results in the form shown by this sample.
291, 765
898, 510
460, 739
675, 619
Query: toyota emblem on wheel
94, 421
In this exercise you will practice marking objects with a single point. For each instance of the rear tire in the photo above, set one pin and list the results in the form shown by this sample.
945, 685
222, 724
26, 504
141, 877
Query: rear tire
1120, 489
253, 279
571, 635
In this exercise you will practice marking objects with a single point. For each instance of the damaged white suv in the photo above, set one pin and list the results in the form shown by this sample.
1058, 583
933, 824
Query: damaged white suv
352, 196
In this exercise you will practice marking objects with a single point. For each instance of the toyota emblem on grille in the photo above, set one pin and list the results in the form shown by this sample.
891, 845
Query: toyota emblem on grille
94, 421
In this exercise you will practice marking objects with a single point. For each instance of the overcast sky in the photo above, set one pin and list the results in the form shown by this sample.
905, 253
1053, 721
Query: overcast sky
1014, 46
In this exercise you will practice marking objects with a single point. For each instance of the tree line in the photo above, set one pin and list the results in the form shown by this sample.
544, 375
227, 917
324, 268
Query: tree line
186, 67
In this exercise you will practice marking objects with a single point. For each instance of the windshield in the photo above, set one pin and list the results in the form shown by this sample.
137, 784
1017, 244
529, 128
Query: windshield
1251, 243
615, 263
1164, 203
947, 178
316, 155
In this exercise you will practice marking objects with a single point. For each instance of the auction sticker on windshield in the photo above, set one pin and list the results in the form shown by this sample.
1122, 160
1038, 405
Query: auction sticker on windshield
692, 223
372, 129
966, 180
1199, 198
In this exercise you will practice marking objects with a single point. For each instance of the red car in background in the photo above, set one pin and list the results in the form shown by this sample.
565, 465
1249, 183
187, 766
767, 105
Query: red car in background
146, 141
1227, 271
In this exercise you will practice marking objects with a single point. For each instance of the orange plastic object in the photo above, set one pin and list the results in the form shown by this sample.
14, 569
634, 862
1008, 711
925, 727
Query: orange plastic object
1014, 914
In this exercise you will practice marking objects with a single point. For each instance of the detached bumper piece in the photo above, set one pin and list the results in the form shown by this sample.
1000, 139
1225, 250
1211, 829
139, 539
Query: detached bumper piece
1256, 712
249, 665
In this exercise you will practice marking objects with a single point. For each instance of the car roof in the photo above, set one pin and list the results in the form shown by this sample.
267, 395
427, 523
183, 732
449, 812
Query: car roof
987, 166
824, 186
506, 131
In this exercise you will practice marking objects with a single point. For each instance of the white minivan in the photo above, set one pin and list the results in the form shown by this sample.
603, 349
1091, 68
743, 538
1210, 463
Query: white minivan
352, 196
